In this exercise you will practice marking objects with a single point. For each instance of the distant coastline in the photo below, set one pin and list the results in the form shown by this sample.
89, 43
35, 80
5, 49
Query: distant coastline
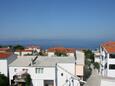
46, 43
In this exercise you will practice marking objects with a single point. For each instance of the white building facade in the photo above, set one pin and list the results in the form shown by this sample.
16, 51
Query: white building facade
4, 62
107, 66
23, 52
80, 62
47, 71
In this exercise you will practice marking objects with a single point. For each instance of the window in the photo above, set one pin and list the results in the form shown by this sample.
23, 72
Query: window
112, 56
106, 66
23, 69
15, 70
39, 70
61, 74
112, 66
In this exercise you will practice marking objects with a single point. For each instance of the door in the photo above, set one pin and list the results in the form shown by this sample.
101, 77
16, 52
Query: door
48, 83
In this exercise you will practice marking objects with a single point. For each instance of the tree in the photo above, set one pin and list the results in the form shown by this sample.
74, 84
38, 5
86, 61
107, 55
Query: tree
89, 59
28, 80
18, 47
87, 72
3, 80
0, 46
89, 55
60, 54
96, 65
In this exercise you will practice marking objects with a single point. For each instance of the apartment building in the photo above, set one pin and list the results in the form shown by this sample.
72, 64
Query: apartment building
107, 66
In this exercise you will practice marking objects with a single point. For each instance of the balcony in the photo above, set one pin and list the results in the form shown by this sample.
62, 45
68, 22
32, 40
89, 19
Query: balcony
20, 79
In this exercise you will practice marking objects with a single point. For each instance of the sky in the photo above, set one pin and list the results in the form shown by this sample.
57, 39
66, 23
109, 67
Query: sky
57, 19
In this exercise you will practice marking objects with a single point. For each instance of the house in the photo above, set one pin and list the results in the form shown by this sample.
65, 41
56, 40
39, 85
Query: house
45, 71
107, 66
33, 47
29, 50
67, 51
5, 60
3, 50
23, 52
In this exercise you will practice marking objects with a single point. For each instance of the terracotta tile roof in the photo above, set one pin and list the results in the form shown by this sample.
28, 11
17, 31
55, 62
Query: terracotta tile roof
23, 50
70, 50
4, 55
109, 46
62, 49
4, 49
33, 46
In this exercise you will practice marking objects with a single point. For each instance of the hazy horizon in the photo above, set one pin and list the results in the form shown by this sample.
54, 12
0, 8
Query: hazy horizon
62, 19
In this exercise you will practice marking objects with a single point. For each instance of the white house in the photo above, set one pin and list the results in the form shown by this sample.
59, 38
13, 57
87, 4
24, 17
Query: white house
33, 47
5, 60
3, 50
46, 71
107, 51
23, 52
70, 52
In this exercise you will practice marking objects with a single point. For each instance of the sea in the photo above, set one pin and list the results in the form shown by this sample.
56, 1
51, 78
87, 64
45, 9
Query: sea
47, 43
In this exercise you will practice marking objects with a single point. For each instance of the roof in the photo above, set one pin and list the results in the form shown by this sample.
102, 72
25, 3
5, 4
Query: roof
21, 62
33, 46
23, 50
52, 61
4, 55
109, 46
42, 61
4, 49
62, 49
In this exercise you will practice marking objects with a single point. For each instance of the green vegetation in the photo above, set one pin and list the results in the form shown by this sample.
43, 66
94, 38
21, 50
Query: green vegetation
89, 55
89, 60
0, 46
28, 80
3, 80
18, 47
60, 54
96, 65
43, 53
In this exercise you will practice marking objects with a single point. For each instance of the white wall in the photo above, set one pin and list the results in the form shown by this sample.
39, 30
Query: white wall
17, 53
4, 64
70, 54
79, 70
3, 67
38, 50
97, 59
51, 54
61, 80
24, 53
107, 83
111, 61
80, 57
111, 73
37, 79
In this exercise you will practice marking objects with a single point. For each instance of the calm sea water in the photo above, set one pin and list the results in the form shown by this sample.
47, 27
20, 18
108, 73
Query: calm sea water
46, 43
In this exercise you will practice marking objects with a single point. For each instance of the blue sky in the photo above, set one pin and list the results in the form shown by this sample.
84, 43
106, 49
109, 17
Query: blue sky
57, 19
